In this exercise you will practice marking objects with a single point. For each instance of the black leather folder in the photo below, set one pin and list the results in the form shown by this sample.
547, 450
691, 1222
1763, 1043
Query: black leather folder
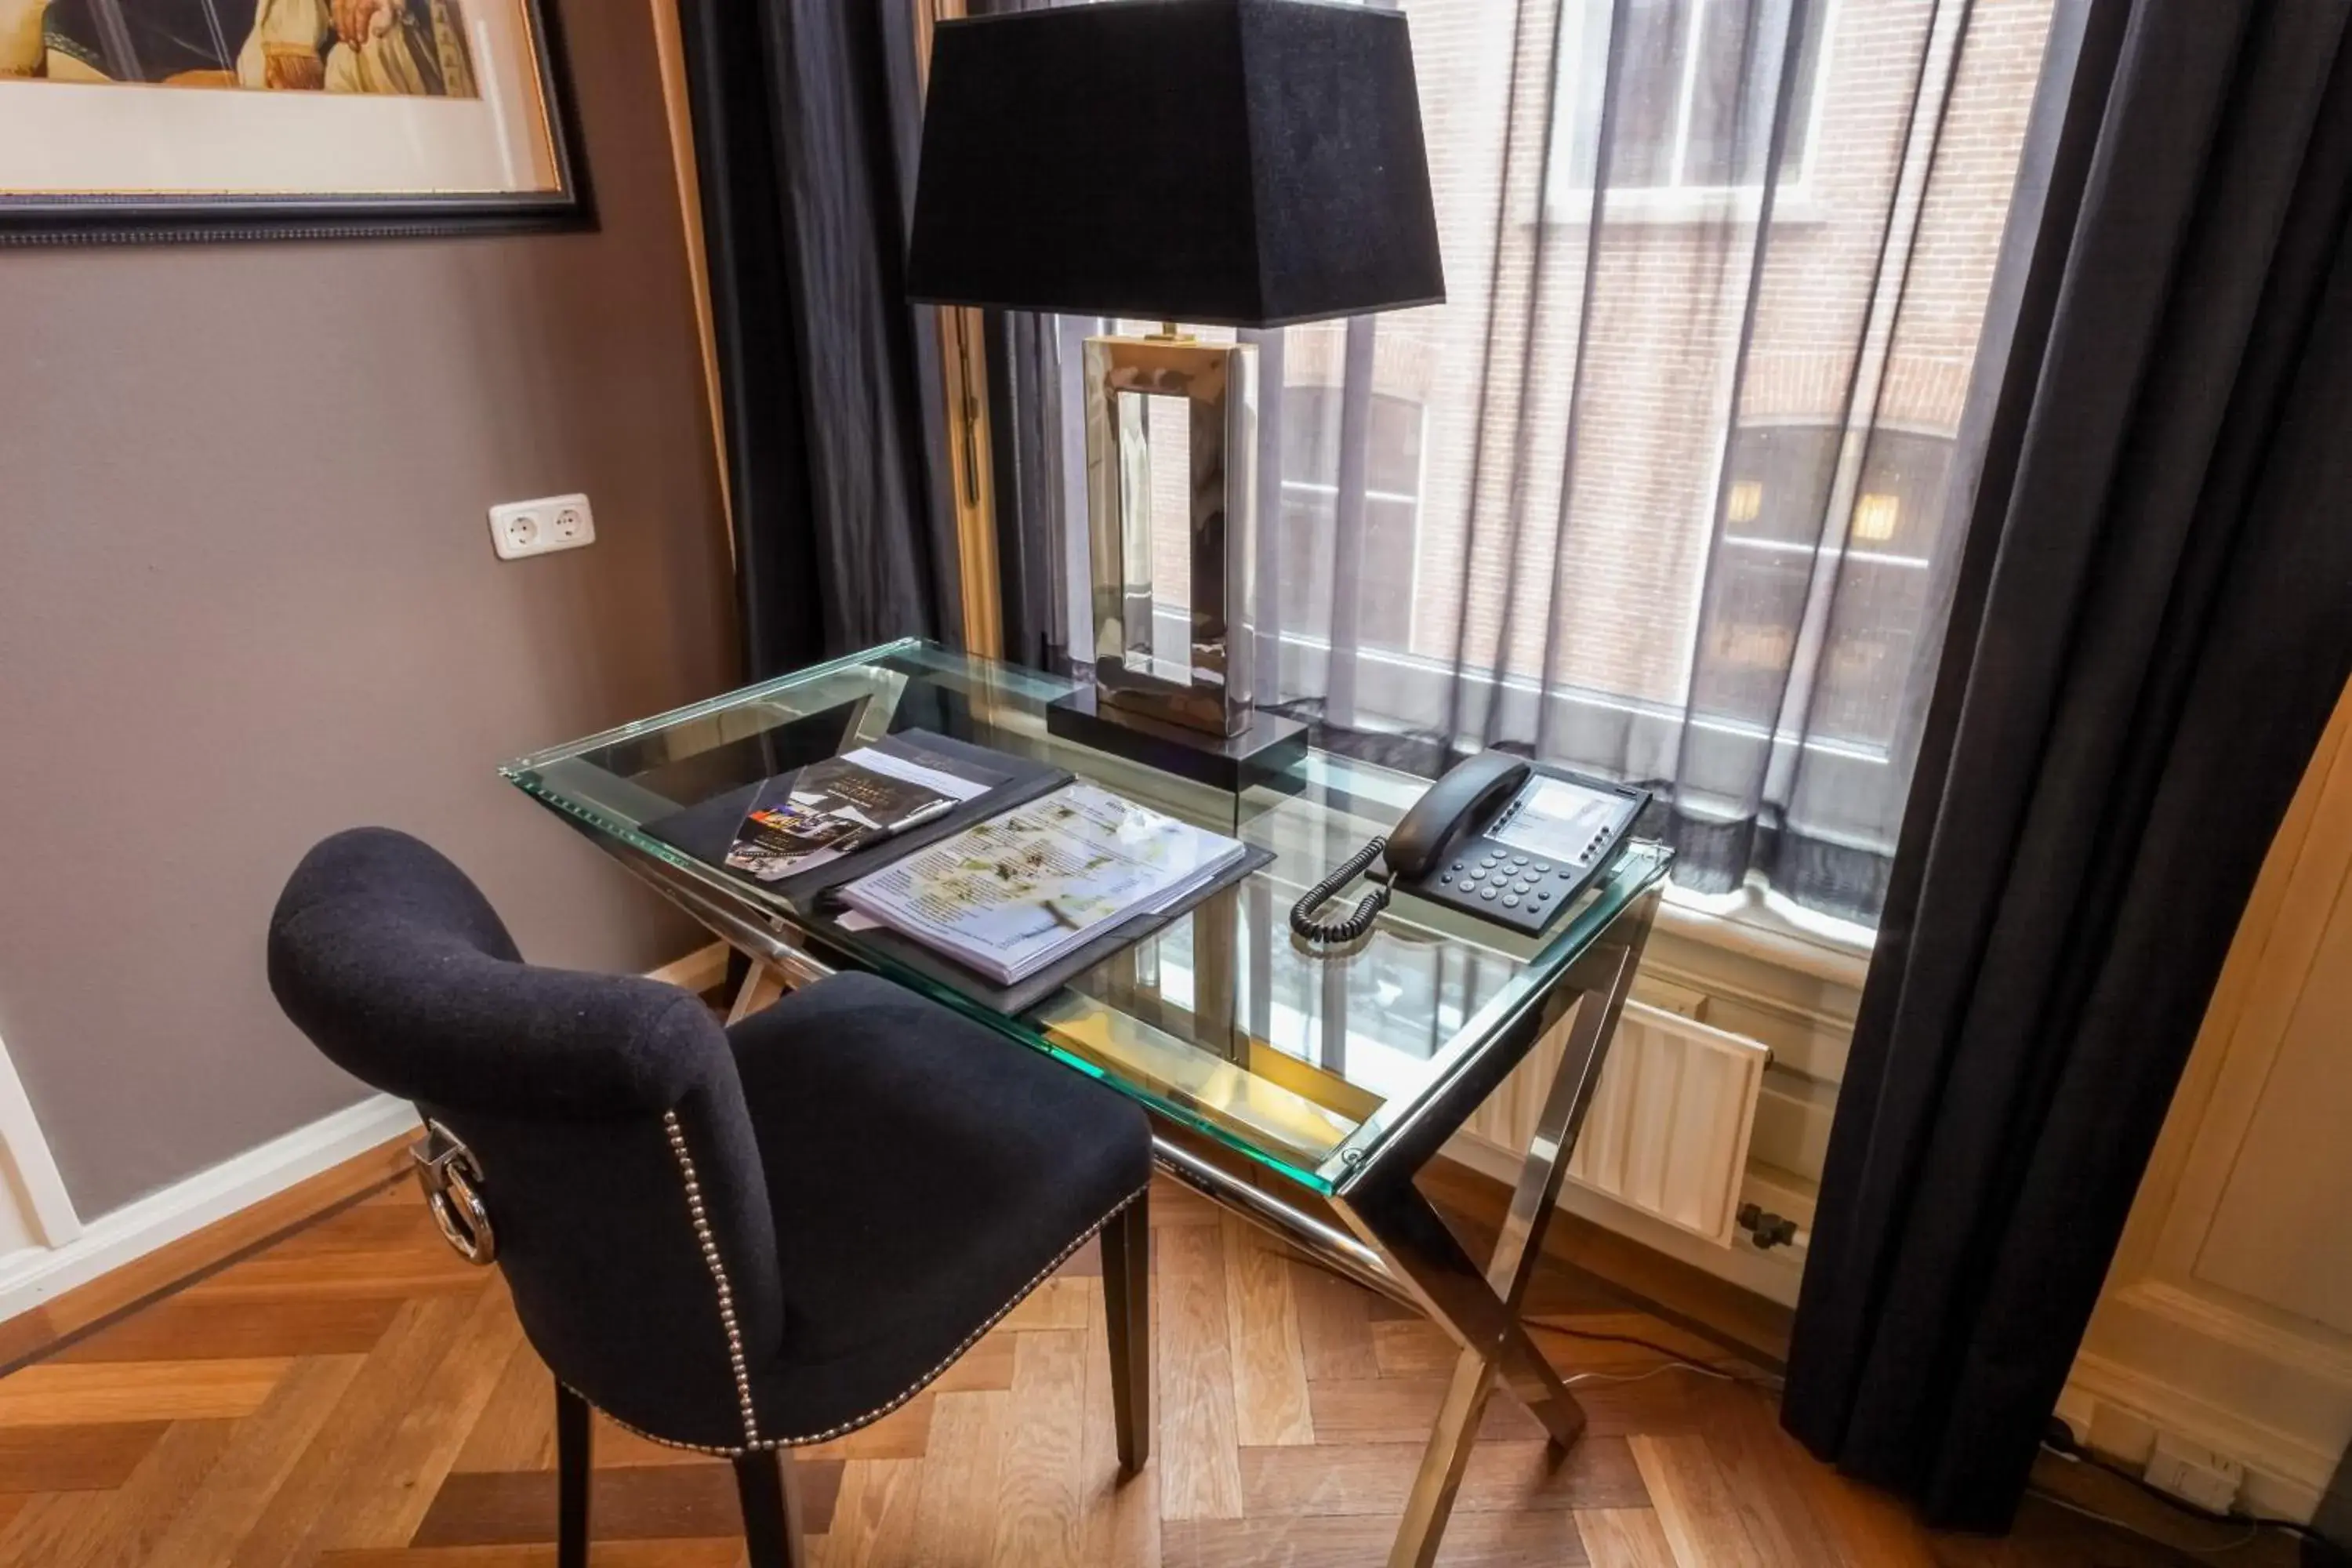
707, 831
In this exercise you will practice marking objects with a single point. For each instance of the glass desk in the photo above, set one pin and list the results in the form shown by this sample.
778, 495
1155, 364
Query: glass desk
1301, 1086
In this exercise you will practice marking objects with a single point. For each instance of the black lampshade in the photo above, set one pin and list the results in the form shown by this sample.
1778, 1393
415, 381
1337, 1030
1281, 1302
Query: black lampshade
1241, 162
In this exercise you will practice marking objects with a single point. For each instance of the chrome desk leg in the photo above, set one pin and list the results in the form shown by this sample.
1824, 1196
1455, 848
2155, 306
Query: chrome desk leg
1419, 1248
1481, 1311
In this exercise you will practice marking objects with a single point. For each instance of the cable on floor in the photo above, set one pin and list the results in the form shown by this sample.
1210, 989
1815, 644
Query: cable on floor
1674, 1360
2253, 1534
2060, 1442
1691, 1367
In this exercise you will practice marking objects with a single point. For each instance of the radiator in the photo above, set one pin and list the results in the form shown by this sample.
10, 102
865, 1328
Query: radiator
1668, 1127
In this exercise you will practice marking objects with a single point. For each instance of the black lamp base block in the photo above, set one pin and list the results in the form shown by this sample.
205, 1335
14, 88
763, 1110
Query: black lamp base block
1262, 754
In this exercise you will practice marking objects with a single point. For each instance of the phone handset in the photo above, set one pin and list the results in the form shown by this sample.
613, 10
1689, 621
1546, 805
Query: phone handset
1469, 792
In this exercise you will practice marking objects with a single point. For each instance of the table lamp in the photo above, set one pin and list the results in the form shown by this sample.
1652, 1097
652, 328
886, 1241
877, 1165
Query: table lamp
1229, 163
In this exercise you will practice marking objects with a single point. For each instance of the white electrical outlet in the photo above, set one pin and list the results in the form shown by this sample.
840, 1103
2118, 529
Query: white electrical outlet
521, 528
2194, 1474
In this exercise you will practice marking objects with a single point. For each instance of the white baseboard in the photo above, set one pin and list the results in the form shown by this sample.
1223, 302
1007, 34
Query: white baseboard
34, 1275
79, 1253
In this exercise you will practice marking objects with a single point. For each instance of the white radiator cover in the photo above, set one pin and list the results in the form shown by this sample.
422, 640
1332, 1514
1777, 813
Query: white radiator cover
1668, 1128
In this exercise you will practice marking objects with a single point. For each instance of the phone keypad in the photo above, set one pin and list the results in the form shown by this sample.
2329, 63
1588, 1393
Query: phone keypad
1493, 882
1518, 890
1513, 881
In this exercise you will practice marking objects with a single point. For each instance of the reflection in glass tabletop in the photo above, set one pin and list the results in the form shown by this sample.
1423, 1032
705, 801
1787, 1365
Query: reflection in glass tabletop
1305, 1059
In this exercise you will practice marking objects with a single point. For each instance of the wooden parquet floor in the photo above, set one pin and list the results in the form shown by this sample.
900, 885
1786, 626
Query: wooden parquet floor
355, 1396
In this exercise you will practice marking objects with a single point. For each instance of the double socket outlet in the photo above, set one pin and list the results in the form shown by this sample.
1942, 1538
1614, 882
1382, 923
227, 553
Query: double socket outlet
521, 528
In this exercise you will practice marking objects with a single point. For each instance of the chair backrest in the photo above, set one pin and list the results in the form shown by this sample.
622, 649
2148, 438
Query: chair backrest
618, 1164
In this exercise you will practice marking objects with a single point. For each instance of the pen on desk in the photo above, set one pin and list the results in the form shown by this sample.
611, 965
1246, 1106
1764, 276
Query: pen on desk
936, 809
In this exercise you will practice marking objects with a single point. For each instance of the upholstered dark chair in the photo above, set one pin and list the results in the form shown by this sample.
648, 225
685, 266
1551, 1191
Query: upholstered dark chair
733, 1240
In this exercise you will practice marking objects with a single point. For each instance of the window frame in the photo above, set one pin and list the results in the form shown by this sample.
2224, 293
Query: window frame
1568, 201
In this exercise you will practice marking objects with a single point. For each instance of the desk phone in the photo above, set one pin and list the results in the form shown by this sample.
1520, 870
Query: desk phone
1498, 837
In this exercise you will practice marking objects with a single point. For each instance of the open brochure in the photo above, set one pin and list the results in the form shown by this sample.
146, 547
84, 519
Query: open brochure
832, 808
1010, 895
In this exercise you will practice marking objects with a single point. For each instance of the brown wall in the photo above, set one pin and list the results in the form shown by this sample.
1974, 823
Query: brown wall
246, 597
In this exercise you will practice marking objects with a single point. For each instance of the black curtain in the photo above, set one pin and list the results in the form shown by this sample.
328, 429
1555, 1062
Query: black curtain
2153, 620
1024, 430
806, 127
2333, 1519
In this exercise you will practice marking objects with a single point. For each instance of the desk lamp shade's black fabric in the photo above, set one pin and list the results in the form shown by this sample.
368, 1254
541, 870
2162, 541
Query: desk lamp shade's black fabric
1238, 162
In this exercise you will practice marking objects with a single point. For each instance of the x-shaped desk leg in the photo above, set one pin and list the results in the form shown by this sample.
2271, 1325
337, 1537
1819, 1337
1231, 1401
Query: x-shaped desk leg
1481, 1309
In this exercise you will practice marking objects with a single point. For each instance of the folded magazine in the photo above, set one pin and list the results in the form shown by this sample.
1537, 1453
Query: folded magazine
1010, 895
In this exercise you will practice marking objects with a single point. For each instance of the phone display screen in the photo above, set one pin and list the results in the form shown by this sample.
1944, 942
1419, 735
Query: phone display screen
1557, 819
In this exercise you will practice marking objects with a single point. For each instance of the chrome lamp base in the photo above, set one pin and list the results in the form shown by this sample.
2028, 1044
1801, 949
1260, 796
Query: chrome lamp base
1204, 685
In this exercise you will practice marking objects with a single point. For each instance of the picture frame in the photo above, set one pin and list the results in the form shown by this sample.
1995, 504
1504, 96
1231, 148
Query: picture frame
194, 157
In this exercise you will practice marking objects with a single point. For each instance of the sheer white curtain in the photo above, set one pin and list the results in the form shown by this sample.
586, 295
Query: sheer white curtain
1660, 492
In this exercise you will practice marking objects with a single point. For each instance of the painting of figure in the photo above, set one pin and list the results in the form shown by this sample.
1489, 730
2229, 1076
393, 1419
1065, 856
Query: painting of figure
411, 47
209, 120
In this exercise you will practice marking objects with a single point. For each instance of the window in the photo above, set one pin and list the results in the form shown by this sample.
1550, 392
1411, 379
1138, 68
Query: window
1781, 478
1883, 595
1390, 534
1697, 86
1588, 513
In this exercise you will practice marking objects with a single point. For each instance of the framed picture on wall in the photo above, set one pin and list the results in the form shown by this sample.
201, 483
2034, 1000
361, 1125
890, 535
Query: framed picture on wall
129, 119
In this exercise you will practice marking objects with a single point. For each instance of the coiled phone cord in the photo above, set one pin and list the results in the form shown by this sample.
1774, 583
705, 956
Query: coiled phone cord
1357, 921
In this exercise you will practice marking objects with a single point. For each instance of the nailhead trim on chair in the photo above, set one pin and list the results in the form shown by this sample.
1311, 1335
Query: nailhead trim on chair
753, 1443
718, 1277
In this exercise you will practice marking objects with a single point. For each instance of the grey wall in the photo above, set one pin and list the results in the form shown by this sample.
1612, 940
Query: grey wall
246, 597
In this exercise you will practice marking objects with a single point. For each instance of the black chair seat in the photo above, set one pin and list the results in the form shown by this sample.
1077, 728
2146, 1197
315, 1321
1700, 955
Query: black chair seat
972, 1167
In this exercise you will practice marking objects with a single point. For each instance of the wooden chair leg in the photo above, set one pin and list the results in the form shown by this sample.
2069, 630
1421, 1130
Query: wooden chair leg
1127, 1304
574, 1460
772, 1511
